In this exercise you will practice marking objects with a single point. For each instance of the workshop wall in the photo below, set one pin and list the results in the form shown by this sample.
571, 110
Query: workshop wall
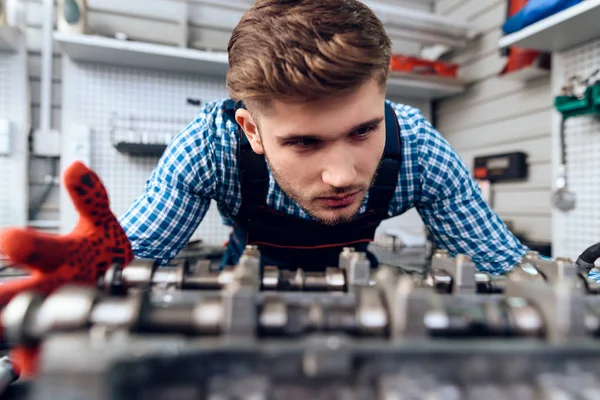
14, 120
576, 229
500, 114
157, 22
40, 170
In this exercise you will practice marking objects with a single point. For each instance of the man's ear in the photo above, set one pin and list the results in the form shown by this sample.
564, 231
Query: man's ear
245, 120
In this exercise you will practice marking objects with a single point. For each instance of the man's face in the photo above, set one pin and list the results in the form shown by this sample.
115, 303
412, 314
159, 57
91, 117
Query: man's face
323, 154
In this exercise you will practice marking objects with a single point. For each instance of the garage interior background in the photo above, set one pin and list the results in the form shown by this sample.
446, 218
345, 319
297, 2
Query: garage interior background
70, 95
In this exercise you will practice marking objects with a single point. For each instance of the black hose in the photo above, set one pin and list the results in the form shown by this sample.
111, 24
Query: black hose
587, 259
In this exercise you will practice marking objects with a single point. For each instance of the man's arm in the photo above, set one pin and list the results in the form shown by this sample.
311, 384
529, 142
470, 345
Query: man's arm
176, 196
452, 207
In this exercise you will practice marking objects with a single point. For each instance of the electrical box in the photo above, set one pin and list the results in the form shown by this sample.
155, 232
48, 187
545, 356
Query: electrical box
501, 167
46, 144
5, 136
80, 141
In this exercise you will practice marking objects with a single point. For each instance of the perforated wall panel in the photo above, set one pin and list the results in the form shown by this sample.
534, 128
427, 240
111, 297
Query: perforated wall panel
6, 67
13, 166
581, 227
145, 105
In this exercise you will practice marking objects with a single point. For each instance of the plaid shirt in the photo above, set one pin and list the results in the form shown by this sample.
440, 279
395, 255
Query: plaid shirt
200, 164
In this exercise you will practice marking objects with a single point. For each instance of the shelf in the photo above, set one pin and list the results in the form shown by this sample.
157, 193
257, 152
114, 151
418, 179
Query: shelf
423, 86
564, 30
108, 51
101, 50
9, 38
421, 26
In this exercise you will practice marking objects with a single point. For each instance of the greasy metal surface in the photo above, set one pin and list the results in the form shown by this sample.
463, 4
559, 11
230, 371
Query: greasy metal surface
355, 342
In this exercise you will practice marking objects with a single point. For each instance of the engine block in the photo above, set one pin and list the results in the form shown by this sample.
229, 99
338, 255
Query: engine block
350, 332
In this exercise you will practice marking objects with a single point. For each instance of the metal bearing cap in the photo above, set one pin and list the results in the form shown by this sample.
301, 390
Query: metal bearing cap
270, 278
123, 312
180, 273
335, 278
17, 317
68, 308
138, 273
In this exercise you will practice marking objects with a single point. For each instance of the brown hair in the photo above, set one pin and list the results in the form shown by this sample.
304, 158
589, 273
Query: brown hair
302, 50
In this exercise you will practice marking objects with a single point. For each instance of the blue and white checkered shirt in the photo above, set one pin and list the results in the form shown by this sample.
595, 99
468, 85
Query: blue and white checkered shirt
200, 164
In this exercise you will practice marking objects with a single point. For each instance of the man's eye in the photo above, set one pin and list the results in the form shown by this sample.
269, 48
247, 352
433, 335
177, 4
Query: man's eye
302, 142
364, 132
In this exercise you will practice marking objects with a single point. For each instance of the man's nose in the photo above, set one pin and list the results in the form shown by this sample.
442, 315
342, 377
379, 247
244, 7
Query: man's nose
339, 171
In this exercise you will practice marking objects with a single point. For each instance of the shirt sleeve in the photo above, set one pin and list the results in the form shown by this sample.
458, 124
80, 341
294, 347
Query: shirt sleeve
176, 196
452, 207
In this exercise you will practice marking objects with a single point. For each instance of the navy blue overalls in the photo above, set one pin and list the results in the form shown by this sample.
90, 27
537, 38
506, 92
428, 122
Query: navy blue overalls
290, 242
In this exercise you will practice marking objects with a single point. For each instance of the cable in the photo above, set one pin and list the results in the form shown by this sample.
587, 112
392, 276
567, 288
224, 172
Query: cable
563, 146
587, 259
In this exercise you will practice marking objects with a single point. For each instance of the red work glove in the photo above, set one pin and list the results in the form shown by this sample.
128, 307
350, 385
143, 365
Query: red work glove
96, 242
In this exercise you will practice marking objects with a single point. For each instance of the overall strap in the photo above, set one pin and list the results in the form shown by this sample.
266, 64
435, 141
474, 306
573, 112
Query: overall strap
254, 176
385, 183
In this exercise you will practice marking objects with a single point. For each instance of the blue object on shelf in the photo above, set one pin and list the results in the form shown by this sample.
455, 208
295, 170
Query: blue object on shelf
534, 11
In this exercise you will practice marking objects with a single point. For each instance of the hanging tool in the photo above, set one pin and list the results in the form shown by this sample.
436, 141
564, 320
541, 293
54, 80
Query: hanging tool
577, 98
562, 197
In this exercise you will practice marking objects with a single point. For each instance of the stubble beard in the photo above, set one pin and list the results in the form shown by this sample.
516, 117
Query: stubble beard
290, 191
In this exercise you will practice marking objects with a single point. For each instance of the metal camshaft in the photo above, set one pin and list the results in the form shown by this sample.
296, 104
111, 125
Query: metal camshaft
385, 302
234, 310
393, 308
458, 275
29, 318
447, 275
354, 270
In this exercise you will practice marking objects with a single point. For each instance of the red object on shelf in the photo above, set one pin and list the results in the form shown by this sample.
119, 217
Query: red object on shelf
418, 66
519, 58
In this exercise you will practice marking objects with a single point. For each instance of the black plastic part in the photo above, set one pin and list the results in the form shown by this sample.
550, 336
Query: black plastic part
501, 167
19, 390
589, 256
194, 102
544, 248
141, 149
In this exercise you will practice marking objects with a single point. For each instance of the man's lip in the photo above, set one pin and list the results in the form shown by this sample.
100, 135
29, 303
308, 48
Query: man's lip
341, 197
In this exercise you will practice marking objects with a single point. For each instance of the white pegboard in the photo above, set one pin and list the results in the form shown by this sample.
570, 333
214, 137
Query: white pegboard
5, 89
13, 167
92, 94
575, 230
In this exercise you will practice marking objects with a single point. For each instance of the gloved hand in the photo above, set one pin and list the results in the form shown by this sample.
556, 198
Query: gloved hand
96, 242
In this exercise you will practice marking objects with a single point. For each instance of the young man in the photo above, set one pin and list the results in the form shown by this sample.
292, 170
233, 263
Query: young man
307, 157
